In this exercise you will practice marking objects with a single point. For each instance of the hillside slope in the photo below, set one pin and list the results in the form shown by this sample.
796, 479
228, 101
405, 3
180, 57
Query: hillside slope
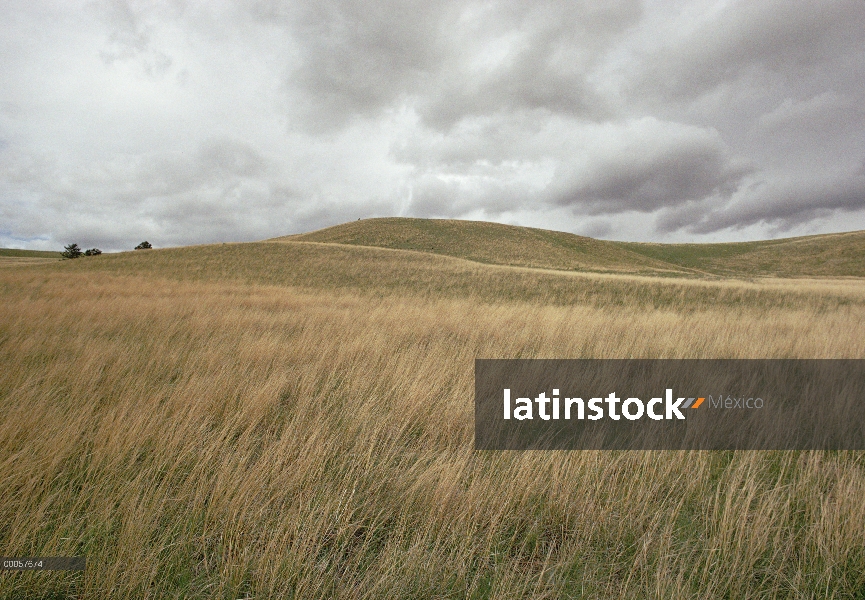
829, 255
491, 243
833, 254
383, 272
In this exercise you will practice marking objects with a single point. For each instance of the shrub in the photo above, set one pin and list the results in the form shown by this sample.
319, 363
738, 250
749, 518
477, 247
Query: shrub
145, 245
92, 252
71, 251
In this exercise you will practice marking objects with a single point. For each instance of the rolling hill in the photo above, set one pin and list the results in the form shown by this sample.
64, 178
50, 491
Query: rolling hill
829, 255
491, 243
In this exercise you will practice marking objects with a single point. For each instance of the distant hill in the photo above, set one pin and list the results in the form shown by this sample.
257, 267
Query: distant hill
829, 255
15, 253
832, 254
492, 243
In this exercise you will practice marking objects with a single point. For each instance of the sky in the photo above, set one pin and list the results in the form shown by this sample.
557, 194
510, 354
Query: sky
202, 122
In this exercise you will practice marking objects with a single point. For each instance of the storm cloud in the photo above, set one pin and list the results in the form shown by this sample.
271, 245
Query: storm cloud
191, 122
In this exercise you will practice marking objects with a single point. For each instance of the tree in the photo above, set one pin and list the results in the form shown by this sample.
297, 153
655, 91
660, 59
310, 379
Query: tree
92, 252
145, 245
71, 251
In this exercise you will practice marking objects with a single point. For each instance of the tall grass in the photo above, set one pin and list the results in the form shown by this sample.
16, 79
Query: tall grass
379, 272
227, 433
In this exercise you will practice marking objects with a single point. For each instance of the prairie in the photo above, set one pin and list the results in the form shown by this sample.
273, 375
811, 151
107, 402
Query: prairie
11, 257
294, 418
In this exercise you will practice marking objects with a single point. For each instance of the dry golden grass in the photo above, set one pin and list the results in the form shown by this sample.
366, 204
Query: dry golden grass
16, 261
379, 272
202, 424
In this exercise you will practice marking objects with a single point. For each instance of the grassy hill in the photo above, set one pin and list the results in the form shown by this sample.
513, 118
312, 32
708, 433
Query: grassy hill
831, 255
491, 243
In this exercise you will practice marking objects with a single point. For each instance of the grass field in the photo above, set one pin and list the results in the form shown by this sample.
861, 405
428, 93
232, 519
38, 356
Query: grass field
12, 257
294, 419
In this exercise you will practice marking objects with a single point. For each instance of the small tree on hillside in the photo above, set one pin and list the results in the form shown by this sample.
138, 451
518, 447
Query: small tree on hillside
145, 245
92, 252
71, 251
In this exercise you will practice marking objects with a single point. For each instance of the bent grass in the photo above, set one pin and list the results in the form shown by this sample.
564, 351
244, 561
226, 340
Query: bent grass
262, 430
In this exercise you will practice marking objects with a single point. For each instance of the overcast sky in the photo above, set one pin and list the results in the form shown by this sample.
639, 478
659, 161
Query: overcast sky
193, 122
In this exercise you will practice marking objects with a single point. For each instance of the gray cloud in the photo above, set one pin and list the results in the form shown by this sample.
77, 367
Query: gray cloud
782, 206
450, 59
131, 32
356, 58
777, 40
599, 228
186, 123
648, 165
536, 58
438, 196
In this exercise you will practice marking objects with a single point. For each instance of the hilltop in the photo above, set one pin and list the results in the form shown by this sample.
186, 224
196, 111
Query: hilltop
491, 243
829, 255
